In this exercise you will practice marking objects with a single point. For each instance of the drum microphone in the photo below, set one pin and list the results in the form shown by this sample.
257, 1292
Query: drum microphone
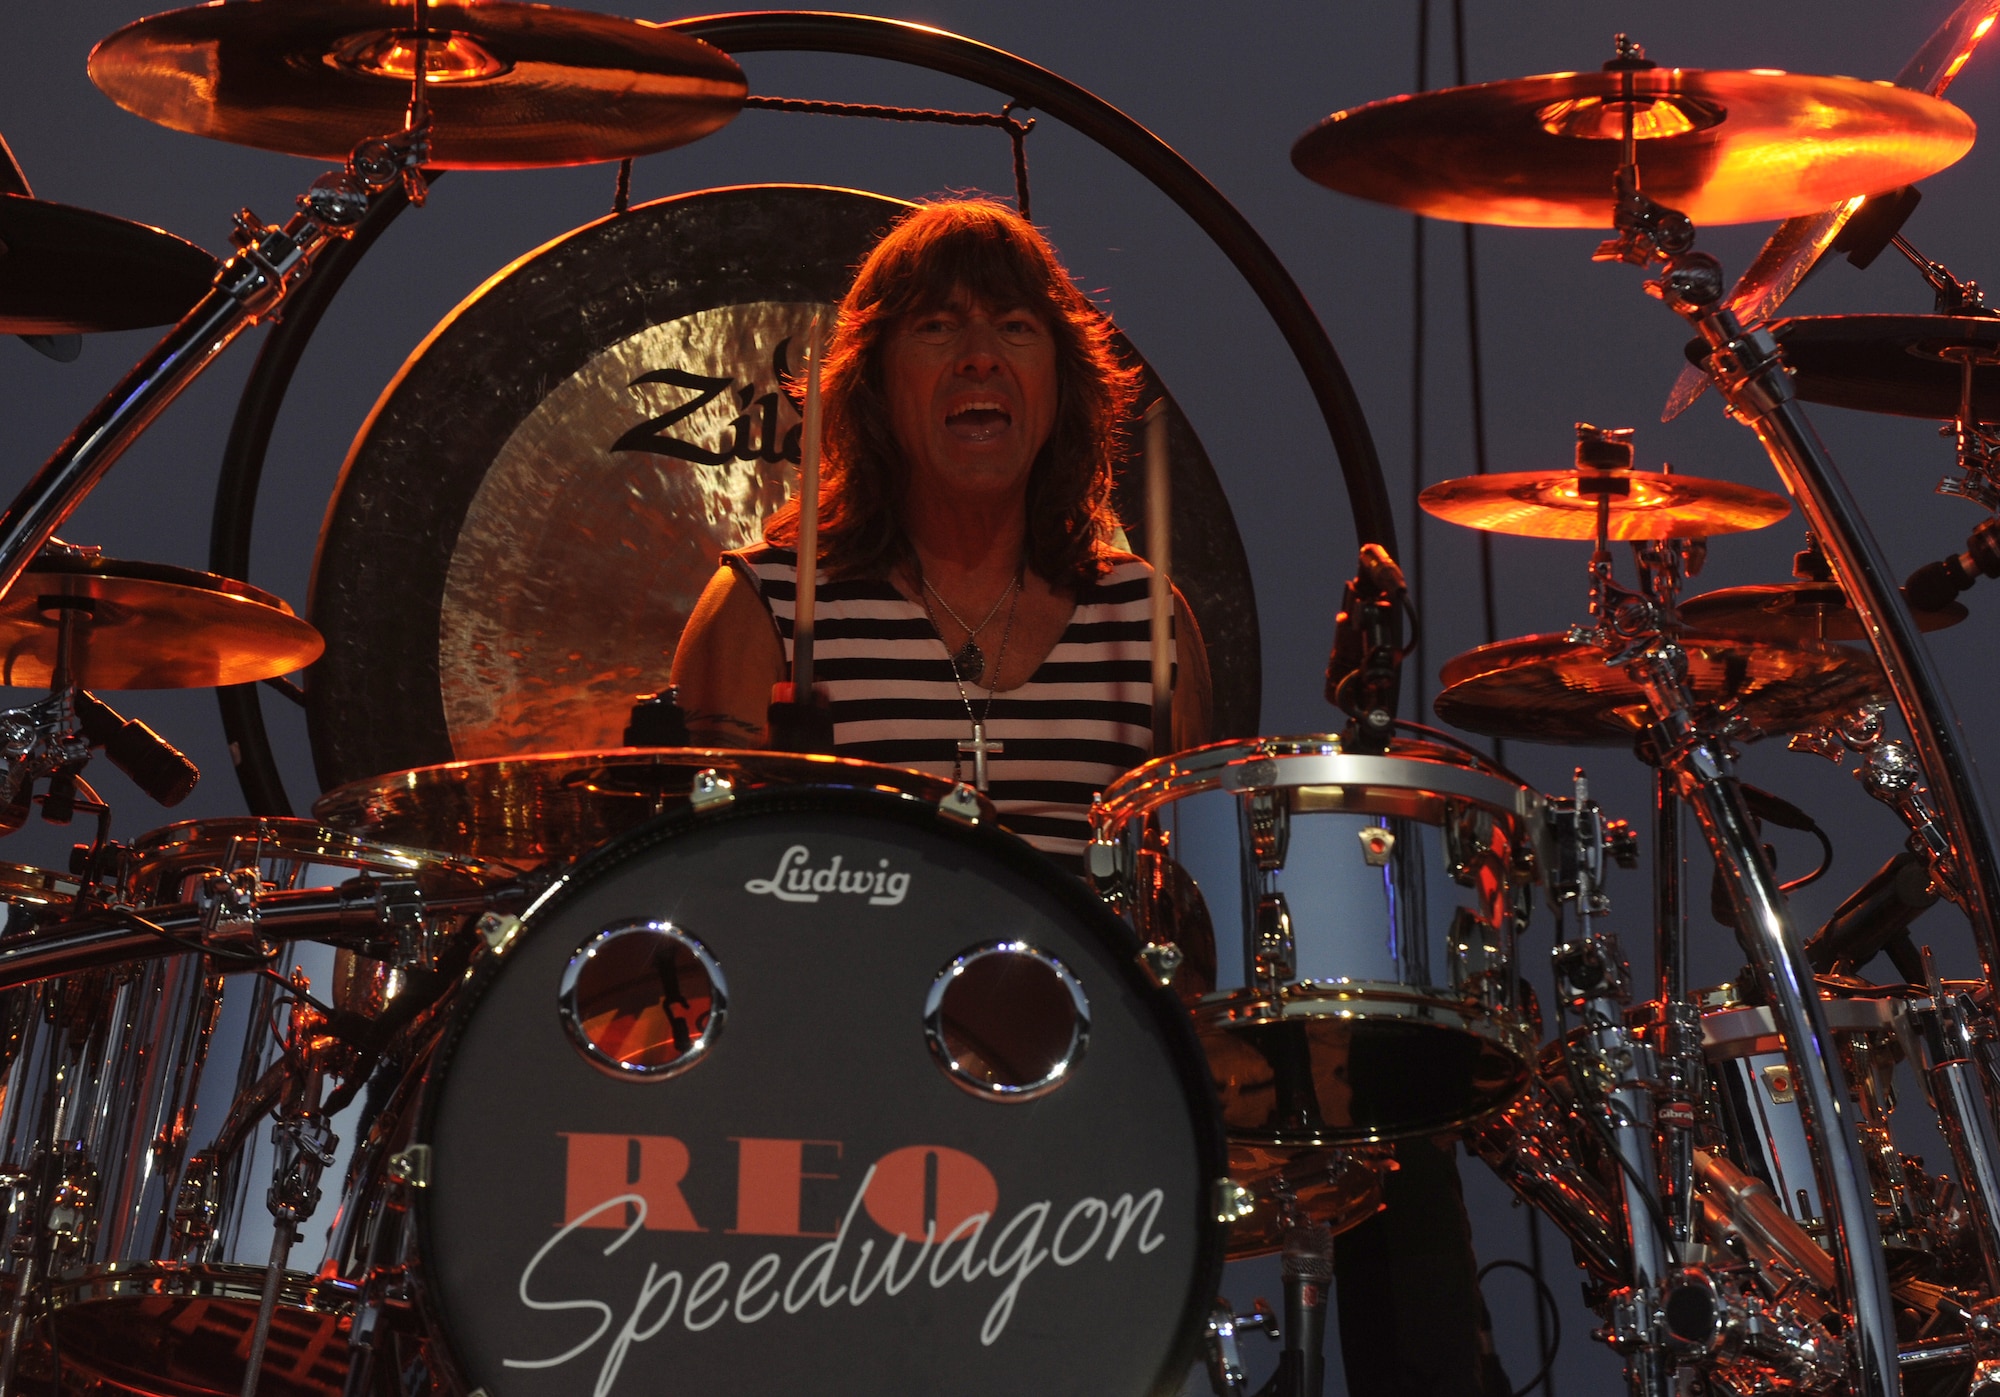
1876, 918
1933, 586
155, 765
1307, 1269
1364, 672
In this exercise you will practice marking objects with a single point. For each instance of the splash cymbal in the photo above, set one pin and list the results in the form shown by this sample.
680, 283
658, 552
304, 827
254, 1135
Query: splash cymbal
548, 807
1722, 146
1793, 613
1543, 688
70, 271
1563, 504
147, 626
510, 85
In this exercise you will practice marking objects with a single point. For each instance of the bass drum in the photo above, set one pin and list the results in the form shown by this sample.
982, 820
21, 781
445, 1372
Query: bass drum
818, 1090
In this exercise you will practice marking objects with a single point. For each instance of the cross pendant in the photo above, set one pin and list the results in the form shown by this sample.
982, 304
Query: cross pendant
977, 747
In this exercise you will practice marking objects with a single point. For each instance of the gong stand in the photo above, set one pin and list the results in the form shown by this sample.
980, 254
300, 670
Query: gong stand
1750, 372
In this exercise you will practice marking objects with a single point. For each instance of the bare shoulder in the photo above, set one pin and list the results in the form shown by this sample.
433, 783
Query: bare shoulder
728, 658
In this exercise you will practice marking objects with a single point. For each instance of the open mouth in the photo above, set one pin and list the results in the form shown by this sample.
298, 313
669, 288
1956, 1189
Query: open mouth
979, 421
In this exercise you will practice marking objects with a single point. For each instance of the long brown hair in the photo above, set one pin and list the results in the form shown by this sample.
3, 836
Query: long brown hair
984, 250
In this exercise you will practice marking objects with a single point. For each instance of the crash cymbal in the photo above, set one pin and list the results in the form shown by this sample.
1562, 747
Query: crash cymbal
1908, 365
148, 626
1722, 146
548, 807
68, 271
510, 85
1562, 504
1792, 613
1798, 244
1542, 688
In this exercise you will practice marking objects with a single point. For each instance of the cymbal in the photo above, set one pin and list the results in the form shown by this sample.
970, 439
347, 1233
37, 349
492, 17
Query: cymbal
548, 807
1792, 613
1542, 688
510, 85
69, 271
1908, 365
1557, 504
149, 626
1722, 146
1800, 241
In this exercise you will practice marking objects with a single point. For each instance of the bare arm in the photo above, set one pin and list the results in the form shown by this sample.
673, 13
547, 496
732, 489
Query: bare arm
727, 661
1193, 693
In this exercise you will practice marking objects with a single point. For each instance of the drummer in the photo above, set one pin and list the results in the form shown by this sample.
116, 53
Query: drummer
970, 593
970, 589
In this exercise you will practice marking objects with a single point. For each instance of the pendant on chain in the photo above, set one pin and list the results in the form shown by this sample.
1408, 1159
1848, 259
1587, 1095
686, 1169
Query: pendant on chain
970, 661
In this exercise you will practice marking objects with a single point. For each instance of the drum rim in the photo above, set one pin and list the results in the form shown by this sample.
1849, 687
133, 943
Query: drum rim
337, 848
1305, 760
1011, 851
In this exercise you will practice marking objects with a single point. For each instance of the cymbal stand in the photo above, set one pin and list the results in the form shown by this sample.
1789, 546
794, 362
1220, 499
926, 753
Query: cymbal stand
251, 287
1613, 1071
305, 1145
1750, 372
1977, 443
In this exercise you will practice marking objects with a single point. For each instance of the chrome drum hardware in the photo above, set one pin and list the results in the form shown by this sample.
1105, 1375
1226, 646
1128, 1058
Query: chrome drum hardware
1347, 925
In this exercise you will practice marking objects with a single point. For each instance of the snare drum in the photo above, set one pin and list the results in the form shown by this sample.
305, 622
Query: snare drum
816, 1090
168, 1069
1347, 925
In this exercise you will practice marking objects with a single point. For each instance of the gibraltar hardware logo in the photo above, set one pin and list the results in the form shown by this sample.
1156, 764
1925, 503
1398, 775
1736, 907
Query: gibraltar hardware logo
797, 881
937, 1209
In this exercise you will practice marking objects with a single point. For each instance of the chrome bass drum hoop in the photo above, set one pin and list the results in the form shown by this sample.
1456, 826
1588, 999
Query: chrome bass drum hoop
984, 840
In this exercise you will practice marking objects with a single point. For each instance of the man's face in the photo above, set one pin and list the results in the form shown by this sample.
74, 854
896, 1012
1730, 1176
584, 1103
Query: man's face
972, 396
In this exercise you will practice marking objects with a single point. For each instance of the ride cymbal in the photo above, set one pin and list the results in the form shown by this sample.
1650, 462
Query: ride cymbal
1563, 504
1722, 146
1543, 688
69, 271
1793, 613
147, 626
509, 85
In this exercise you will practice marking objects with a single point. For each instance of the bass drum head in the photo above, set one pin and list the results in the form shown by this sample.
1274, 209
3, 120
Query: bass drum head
523, 525
684, 1118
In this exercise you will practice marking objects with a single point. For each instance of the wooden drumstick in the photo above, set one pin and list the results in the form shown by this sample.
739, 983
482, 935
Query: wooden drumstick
808, 584
1160, 553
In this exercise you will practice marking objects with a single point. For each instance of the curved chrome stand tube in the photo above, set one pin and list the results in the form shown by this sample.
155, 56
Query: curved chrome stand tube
1765, 928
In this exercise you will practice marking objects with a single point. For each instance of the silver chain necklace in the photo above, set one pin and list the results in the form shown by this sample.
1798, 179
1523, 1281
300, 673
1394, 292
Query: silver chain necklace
969, 661
979, 746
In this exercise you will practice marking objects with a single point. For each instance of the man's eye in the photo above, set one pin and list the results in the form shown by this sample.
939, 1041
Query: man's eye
1020, 328
933, 327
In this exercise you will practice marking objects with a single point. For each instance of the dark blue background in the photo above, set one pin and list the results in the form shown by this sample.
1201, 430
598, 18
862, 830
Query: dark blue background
1230, 87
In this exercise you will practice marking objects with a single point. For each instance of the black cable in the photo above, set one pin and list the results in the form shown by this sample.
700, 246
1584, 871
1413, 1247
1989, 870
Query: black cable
1459, 744
621, 196
1417, 570
1477, 371
1543, 1297
1825, 862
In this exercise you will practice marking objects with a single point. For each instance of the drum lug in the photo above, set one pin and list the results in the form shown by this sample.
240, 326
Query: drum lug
1232, 1201
411, 1166
499, 929
711, 790
1225, 1359
1275, 959
1268, 816
1161, 960
960, 803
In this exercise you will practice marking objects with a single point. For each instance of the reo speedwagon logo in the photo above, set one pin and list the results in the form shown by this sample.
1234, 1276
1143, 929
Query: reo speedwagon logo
922, 1214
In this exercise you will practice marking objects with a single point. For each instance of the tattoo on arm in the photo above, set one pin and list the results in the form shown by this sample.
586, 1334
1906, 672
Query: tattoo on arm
723, 723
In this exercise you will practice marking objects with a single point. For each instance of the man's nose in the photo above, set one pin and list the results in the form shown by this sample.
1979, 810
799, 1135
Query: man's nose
979, 347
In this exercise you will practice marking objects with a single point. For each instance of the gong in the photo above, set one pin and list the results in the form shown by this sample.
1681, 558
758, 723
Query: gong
524, 523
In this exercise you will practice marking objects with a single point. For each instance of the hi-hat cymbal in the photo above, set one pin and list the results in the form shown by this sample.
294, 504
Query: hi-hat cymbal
1792, 613
548, 807
1542, 688
1909, 365
69, 271
510, 85
1722, 146
147, 626
1563, 504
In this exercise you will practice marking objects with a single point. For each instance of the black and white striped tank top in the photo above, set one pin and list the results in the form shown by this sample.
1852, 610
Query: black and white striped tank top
1082, 719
